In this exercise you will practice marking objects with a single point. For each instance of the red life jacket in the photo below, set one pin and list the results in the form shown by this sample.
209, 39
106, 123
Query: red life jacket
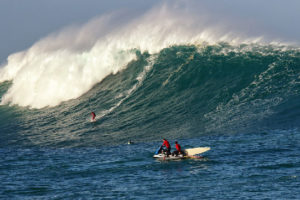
178, 147
166, 143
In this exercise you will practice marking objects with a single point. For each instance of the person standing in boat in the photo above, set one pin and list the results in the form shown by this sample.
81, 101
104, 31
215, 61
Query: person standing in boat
167, 145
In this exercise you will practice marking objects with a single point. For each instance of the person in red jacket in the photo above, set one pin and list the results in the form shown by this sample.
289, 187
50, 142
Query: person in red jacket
178, 149
93, 117
167, 145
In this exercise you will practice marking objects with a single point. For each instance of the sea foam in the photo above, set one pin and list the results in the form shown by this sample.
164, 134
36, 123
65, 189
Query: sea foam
67, 64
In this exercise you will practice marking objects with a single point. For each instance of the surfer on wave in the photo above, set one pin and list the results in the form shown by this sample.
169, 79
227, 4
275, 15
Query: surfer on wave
93, 117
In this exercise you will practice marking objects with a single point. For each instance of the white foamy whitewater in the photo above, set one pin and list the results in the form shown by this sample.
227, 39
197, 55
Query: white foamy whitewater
67, 64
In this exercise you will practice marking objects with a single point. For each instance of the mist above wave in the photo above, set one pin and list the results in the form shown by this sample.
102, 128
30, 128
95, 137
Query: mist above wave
67, 64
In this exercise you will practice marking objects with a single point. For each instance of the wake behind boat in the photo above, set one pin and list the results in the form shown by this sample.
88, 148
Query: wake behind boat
161, 154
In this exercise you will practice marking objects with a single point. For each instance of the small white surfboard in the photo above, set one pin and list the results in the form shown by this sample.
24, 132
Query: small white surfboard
198, 150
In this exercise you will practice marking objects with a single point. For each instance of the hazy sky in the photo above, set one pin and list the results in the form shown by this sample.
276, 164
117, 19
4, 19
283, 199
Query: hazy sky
23, 22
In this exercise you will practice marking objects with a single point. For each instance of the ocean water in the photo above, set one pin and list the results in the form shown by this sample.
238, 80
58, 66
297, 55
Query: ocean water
240, 98
242, 101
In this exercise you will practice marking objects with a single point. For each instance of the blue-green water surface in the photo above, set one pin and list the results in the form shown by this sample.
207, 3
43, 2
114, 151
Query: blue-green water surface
242, 101
254, 166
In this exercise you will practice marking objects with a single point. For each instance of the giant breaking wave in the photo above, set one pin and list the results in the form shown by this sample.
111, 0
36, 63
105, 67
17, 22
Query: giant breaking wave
166, 73
67, 64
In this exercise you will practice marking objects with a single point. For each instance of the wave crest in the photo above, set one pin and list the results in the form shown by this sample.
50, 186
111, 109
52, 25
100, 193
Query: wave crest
67, 64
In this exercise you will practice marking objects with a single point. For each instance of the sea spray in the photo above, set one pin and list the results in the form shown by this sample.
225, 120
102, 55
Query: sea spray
67, 64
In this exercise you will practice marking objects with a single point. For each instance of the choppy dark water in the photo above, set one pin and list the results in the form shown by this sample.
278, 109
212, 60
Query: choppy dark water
251, 166
241, 101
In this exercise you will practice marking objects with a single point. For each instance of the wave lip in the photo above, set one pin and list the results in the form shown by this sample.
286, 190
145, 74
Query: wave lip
55, 70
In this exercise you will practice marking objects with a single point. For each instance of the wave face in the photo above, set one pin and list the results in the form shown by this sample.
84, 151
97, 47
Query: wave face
161, 75
182, 91
67, 64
